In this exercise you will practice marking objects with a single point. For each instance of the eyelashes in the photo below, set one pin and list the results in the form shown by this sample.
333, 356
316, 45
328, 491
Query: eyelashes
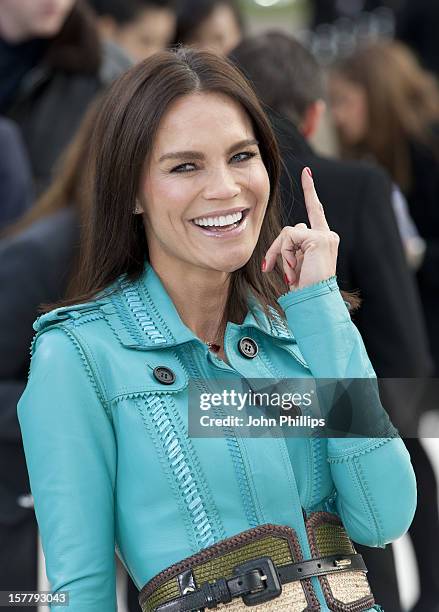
238, 158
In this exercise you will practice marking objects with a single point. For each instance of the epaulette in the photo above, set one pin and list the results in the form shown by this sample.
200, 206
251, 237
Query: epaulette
65, 313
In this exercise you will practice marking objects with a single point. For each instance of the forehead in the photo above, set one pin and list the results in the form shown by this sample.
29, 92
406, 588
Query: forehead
192, 120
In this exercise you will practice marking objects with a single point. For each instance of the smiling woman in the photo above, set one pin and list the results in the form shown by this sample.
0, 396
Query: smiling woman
187, 277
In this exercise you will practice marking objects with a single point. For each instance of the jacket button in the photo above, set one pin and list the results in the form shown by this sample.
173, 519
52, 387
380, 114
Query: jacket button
248, 348
164, 375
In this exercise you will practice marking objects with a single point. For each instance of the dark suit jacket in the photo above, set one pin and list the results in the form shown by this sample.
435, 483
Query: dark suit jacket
357, 202
34, 268
15, 174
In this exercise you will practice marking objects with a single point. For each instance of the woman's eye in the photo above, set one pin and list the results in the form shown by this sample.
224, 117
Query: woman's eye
244, 156
184, 168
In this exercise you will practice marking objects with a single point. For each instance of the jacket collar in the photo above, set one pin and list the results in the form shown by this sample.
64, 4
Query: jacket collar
143, 316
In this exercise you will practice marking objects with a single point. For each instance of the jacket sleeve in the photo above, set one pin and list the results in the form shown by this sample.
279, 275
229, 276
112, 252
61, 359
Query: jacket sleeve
373, 477
71, 458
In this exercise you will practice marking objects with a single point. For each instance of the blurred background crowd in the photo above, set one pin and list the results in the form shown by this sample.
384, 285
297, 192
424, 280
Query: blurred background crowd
351, 89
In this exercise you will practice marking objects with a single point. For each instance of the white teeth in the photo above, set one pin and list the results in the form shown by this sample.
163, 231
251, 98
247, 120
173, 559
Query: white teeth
218, 221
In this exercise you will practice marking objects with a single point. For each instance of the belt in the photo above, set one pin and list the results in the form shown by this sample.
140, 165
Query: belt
258, 581
265, 567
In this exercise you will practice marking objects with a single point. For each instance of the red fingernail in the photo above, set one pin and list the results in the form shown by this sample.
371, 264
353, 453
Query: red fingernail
263, 265
309, 171
286, 280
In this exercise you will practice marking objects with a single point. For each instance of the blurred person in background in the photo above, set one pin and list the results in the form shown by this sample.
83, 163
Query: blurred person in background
37, 256
216, 25
386, 108
358, 205
15, 174
138, 27
52, 64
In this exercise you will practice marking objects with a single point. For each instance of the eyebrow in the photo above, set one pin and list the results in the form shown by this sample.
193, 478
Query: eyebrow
198, 155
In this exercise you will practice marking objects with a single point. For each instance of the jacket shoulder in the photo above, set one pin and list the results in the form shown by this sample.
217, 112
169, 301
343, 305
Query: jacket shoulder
65, 314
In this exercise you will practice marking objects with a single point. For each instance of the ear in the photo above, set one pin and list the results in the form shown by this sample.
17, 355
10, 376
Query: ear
138, 209
312, 118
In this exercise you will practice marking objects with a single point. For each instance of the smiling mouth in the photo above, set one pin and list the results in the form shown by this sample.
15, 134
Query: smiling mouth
221, 223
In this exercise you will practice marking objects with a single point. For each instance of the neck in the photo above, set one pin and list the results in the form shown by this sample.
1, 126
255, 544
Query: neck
199, 295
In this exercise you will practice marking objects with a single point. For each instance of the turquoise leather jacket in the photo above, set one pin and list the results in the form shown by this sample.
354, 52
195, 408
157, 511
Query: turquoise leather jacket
111, 464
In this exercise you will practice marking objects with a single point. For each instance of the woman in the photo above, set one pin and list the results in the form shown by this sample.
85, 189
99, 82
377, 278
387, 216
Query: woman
209, 24
386, 107
179, 280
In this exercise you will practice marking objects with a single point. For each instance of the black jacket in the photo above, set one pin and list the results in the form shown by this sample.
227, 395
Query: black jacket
15, 175
423, 202
357, 200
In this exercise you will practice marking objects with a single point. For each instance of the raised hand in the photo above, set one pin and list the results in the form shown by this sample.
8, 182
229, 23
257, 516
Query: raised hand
309, 255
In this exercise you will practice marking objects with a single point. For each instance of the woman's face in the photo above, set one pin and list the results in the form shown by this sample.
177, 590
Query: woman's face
349, 108
220, 32
206, 189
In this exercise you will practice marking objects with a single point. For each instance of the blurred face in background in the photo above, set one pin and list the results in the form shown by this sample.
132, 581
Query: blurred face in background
220, 32
348, 103
25, 19
152, 31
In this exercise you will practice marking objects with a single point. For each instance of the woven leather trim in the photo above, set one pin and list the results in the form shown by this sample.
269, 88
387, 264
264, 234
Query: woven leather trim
277, 541
348, 591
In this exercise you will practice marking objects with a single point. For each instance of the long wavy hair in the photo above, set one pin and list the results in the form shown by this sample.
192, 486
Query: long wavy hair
403, 105
114, 239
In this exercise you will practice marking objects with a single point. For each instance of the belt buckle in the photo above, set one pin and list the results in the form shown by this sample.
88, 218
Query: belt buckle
269, 578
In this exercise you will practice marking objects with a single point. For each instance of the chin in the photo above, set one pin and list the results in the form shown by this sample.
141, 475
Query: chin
231, 263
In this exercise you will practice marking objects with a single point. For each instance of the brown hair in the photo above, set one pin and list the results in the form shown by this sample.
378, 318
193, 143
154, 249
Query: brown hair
403, 104
114, 241
77, 47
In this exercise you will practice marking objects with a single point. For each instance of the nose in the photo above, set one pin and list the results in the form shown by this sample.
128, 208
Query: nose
221, 184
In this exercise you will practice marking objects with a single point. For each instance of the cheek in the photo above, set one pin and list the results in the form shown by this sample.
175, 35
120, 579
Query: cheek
259, 185
165, 199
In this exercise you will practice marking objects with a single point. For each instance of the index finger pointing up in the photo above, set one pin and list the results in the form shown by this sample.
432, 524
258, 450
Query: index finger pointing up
316, 215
